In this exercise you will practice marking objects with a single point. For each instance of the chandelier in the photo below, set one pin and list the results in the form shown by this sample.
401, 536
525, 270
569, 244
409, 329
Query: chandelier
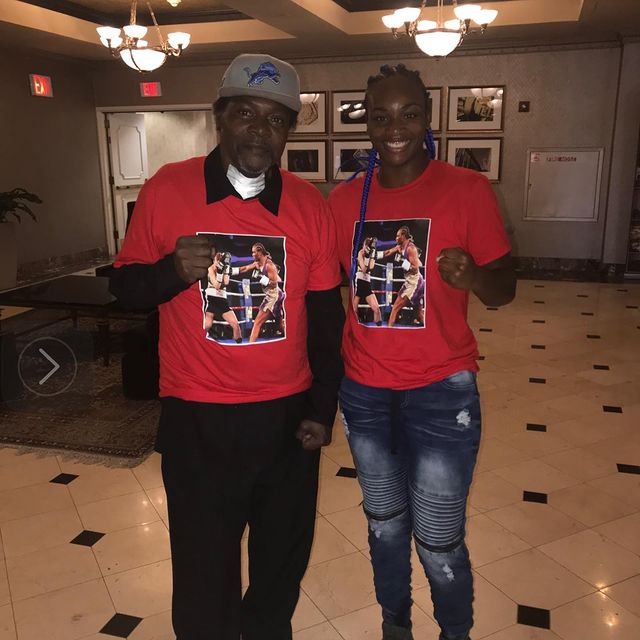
134, 51
438, 37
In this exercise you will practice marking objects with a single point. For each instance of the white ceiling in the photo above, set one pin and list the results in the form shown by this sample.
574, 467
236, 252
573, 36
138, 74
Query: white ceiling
304, 28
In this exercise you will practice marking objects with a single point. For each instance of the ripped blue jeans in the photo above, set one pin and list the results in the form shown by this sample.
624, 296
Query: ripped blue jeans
415, 451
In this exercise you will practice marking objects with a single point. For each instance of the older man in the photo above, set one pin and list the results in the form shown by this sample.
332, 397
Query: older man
241, 424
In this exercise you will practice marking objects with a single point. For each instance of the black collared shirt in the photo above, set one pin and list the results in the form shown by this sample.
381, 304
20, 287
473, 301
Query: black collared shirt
218, 185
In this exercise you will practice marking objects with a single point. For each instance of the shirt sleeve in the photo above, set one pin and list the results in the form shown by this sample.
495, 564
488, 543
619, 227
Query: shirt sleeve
143, 277
324, 272
486, 237
139, 245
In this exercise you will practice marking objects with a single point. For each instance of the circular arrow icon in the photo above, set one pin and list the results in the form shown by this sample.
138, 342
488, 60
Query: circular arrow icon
47, 366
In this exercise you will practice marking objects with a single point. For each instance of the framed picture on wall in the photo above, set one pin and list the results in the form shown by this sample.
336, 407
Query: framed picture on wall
476, 108
347, 112
313, 114
349, 156
479, 154
435, 99
306, 159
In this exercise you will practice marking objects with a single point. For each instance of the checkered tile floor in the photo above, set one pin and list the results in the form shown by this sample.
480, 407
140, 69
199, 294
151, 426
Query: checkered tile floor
554, 511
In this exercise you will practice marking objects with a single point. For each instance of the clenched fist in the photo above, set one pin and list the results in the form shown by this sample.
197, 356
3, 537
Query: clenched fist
192, 257
457, 268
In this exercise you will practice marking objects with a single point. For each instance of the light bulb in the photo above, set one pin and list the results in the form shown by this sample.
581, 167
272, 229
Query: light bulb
467, 11
439, 42
143, 59
425, 25
179, 39
408, 14
392, 21
485, 16
135, 30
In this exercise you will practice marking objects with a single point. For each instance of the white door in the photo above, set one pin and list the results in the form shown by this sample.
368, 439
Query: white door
129, 164
128, 146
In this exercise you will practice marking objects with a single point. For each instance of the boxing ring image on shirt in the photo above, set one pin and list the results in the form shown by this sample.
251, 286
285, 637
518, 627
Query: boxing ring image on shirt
244, 292
389, 288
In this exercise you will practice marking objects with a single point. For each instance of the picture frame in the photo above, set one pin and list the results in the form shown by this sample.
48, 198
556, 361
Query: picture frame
307, 159
312, 118
476, 108
435, 97
481, 154
348, 114
347, 157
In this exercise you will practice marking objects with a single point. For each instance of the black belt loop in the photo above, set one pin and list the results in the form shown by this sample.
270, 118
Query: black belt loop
396, 400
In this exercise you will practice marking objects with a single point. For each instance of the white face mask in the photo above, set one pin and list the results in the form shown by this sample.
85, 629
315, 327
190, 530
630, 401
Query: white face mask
246, 187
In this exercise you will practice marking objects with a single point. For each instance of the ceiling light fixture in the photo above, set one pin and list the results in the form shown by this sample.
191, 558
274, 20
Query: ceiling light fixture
136, 52
438, 37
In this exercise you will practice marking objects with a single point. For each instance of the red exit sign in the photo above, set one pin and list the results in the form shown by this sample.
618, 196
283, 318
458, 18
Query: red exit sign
150, 89
41, 86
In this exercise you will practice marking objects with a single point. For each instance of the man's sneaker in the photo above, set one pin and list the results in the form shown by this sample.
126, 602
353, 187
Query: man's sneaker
391, 632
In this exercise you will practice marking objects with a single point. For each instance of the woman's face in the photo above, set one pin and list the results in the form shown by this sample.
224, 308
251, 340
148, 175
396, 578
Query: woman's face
396, 120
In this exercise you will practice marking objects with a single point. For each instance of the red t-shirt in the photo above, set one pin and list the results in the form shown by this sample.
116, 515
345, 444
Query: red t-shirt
445, 207
208, 364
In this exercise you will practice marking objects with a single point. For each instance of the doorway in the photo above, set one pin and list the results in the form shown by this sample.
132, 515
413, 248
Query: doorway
137, 144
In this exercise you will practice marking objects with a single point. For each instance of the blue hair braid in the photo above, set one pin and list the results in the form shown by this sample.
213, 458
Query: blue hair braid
430, 143
373, 161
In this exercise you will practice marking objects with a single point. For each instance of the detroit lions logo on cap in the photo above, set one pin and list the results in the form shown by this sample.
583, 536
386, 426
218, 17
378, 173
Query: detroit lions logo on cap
266, 71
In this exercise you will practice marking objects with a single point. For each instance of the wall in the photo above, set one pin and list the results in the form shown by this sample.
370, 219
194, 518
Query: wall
177, 135
625, 149
49, 146
572, 94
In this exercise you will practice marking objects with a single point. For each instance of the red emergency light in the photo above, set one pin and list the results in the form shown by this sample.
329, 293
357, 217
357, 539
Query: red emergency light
150, 89
41, 86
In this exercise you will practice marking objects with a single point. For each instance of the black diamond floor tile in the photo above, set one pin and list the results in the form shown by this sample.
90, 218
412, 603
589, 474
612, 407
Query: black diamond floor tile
121, 625
609, 409
347, 472
533, 426
534, 496
64, 478
534, 617
629, 468
87, 538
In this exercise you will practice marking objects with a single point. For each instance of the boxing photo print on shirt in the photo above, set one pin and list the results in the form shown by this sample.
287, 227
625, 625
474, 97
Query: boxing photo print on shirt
389, 283
244, 291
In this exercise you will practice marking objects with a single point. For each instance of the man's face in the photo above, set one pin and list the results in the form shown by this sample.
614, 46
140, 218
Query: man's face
252, 133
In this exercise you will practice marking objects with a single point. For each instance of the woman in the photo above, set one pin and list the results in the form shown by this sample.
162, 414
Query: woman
409, 399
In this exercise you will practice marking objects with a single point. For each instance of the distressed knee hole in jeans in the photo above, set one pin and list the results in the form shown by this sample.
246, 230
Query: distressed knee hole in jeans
390, 526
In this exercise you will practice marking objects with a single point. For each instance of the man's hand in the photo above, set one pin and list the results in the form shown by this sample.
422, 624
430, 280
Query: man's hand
457, 268
313, 435
192, 257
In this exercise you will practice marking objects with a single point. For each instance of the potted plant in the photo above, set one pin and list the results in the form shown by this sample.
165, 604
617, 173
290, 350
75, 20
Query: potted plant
12, 204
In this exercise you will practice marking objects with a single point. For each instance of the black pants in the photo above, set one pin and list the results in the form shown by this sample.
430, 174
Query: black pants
226, 466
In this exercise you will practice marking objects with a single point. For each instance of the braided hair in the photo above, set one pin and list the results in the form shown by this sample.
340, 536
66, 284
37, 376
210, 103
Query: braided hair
387, 71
